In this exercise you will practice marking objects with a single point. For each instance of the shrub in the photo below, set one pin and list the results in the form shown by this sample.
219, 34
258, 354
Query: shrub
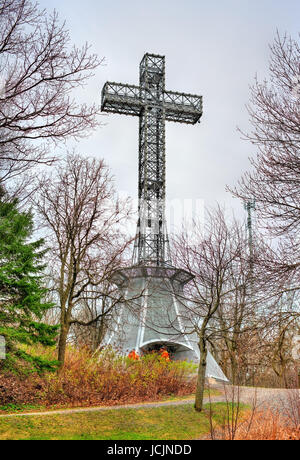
105, 378
17, 389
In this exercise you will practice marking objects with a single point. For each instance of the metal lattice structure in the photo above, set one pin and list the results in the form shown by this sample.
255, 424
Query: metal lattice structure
249, 206
153, 105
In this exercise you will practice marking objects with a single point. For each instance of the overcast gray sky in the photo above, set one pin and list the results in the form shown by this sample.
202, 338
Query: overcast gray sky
213, 48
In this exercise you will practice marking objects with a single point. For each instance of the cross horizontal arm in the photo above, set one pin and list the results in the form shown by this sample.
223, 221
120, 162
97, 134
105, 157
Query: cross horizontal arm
182, 107
127, 99
121, 98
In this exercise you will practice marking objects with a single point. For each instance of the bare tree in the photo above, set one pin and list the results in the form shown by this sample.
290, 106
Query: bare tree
283, 325
39, 69
236, 318
275, 117
85, 222
274, 182
96, 315
214, 258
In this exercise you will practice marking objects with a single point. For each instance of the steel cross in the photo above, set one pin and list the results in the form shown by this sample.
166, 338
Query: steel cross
153, 105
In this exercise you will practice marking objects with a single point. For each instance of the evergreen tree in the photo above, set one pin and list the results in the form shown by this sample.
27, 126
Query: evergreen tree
21, 292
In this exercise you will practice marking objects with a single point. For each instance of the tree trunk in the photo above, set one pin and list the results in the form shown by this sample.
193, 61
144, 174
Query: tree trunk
234, 369
201, 375
62, 343
100, 333
283, 379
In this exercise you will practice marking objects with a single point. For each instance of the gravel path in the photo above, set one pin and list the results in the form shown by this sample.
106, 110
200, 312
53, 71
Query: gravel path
273, 398
259, 397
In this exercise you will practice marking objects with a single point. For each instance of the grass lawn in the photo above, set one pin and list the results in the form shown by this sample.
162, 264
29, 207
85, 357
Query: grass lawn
165, 422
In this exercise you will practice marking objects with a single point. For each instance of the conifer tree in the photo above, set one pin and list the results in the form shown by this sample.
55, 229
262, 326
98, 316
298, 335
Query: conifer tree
21, 292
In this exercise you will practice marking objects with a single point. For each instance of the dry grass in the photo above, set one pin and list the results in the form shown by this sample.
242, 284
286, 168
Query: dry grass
282, 423
269, 419
266, 425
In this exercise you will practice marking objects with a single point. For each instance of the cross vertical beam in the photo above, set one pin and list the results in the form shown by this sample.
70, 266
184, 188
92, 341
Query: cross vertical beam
152, 241
153, 105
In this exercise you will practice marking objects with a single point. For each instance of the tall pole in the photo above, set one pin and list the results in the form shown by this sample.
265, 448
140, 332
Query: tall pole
249, 206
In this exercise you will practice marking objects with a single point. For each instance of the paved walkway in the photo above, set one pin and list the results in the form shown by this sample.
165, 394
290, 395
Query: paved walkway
259, 397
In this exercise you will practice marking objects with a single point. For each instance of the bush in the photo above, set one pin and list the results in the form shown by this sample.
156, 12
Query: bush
16, 389
106, 378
